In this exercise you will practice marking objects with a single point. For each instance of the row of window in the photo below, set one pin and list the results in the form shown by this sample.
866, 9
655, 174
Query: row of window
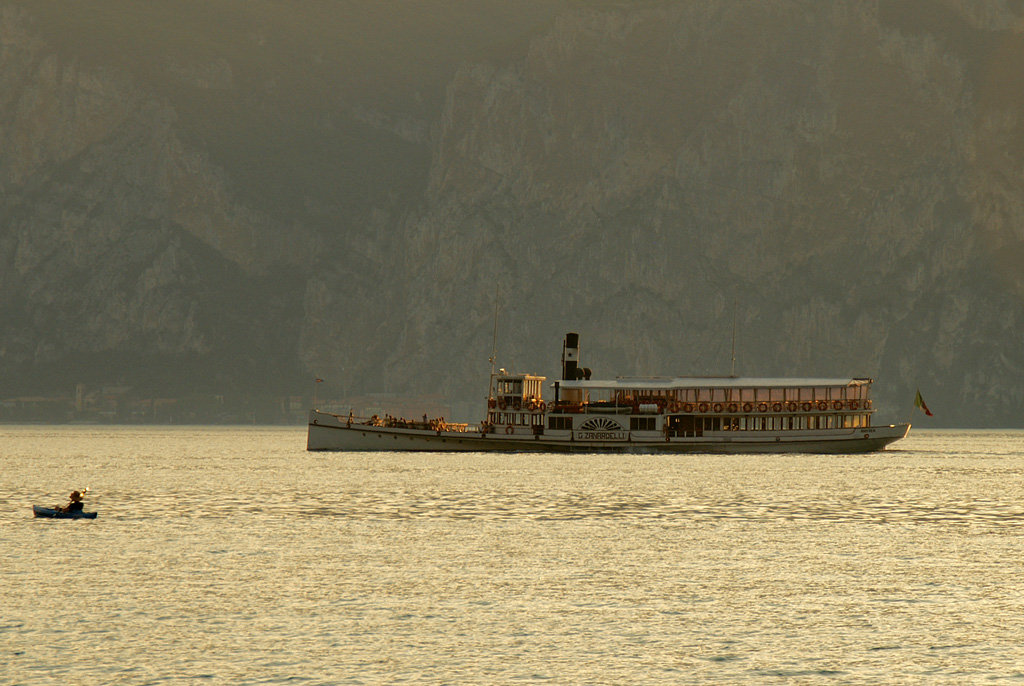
744, 395
516, 418
696, 426
643, 423
560, 423
772, 423
532, 385
745, 423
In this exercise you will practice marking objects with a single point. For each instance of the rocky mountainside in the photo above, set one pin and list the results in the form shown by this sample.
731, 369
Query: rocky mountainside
241, 195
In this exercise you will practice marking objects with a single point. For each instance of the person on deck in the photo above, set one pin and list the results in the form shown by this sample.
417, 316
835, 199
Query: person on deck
76, 503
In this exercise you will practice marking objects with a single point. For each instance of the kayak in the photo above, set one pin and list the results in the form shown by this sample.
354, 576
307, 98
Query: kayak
58, 514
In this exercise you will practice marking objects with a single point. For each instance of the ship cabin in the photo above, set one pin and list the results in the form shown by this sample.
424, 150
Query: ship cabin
516, 400
690, 407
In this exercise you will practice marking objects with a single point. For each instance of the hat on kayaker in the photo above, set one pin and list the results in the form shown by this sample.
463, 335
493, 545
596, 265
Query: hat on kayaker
75, 495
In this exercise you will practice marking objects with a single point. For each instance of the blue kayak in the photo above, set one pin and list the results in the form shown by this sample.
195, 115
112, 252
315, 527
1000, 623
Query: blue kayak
60, 514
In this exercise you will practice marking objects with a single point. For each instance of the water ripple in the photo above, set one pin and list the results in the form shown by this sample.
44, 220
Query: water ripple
623, 506
234, 556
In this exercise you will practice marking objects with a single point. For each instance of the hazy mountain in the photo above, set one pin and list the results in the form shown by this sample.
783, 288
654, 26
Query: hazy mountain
227, 194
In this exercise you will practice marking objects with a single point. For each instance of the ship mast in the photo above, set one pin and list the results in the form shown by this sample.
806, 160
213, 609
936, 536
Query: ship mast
732, 371
494, 349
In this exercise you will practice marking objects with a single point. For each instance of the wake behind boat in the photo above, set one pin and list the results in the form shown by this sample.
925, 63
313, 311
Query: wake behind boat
636, 415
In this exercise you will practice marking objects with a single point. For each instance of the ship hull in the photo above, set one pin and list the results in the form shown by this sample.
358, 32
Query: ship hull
328, 432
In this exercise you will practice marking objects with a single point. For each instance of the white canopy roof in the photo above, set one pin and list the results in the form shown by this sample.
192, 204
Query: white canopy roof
669, 383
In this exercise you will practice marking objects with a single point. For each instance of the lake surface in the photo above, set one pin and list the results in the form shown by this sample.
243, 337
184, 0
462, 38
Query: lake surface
231, 555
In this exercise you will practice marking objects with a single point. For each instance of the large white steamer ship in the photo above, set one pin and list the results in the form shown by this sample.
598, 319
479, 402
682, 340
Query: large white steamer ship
634, 415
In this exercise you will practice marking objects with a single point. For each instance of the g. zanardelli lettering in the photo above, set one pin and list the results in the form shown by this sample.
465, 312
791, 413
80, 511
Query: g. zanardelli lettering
601, 429
601, 435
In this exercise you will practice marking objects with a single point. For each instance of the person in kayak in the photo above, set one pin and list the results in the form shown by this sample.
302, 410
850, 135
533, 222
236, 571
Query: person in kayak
75, 505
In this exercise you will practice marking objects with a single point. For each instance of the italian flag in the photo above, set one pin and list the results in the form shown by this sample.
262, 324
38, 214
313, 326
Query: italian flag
919, 402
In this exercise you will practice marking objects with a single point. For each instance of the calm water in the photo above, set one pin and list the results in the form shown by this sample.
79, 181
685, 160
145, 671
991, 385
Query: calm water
234, 556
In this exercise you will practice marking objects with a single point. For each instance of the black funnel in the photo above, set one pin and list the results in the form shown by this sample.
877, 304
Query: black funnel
570, 356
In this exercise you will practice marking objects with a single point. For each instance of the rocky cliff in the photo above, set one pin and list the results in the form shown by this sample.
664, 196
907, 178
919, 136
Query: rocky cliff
235, 194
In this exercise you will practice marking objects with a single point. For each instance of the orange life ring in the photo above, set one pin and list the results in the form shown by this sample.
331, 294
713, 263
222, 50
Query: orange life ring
867, 404
501, 403
791, 406
747, 407
718, 407
491, 403
822, 405
688, 407
703, 407
674, 407
836, 405
733, 407
543, 406
807, 407
762, 407
777, 407
854, 405
509, 429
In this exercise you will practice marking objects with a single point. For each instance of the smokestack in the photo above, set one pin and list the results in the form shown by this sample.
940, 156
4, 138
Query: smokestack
570, 356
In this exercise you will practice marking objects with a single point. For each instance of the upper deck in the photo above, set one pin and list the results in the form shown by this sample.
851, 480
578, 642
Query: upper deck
807, 394
724, 382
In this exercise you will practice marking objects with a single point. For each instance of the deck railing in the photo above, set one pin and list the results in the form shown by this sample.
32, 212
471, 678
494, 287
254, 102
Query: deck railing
438, 424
